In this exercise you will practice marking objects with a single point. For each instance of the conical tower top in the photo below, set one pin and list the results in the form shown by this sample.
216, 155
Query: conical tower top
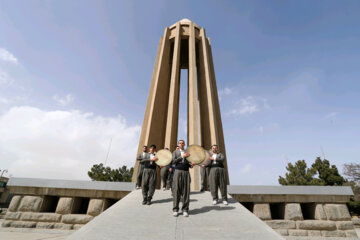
185, 21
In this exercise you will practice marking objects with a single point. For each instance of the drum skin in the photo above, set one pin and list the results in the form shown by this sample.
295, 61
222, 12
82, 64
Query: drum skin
197, 154
164, 157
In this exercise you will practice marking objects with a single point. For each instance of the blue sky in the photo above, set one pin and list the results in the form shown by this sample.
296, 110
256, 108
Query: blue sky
74, 74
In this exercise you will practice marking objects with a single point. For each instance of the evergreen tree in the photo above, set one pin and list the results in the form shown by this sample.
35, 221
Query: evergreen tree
99, 172
329, 175
299, 174
320, 173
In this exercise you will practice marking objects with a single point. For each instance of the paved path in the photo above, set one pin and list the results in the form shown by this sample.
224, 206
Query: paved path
128, 219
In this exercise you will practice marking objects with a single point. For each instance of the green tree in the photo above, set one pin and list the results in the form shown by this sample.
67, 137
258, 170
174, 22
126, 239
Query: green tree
320, 173
299, 174
99, 172
352, 171
329, 175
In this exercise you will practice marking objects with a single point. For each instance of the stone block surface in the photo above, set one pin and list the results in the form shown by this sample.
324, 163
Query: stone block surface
63, 226
351, 233
64, 205
77, 226
6, 223
356, 222
282, 232
30, 204
14, 204
337, 212
314, 233
344, 225
96, 206
76, 218
320, 212
45, 225
297, 232
23, 224
12, 215
316, 225
41, 217
293, 211
335, 233
281, 224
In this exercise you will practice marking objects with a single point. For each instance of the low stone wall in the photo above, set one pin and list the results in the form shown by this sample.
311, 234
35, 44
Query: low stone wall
60, 204
310, 213
356, 221
330, 220
28, 212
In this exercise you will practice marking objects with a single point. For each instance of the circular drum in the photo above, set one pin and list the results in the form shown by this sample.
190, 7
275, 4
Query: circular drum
197, 154
164, 157
207, 160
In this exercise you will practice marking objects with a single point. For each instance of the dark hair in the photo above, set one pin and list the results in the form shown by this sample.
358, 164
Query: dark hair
152, 146
145, 146
166, 148
181, 140
214, 145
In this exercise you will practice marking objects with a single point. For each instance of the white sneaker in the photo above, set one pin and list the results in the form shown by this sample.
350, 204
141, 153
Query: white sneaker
137, 187
214, 202
225, 202
175, 214
164, 189
186, 214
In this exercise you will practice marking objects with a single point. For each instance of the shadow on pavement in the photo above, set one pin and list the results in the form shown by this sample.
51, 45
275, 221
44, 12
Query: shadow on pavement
209, 208
169, 200
162, 200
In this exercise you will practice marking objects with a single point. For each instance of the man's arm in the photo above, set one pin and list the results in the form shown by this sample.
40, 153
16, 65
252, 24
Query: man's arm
139, 158
220, 157
176, 159
190, 164
146, 158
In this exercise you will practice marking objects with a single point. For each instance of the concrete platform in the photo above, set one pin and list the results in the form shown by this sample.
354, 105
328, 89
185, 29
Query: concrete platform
128, 219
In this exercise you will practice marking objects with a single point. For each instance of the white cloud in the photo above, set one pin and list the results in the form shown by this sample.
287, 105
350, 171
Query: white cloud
246, 168
249, 105
268, 128
63, 144
64, 101
5, 78
7, 56
331, 115
4, 100
260, 129
225, 92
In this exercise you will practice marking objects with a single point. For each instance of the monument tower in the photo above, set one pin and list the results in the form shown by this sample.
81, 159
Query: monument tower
183, 46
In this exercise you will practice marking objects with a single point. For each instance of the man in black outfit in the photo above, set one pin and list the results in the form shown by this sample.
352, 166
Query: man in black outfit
148, 183
181, 188
141, 167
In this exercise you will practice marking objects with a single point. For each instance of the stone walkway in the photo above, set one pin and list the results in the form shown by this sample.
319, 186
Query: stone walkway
128, 219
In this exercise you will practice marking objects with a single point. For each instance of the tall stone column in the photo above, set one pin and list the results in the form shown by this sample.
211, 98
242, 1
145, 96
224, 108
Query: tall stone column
155, 118
183, 46
173, 107
193, 113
